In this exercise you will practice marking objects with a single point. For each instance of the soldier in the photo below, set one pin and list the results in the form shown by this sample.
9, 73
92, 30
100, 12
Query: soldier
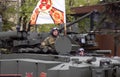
81, 52
49, 42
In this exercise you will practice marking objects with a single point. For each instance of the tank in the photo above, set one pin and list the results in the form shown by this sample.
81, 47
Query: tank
32, 65
27, 59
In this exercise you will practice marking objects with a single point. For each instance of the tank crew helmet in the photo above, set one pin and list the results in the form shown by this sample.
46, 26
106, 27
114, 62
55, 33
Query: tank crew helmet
55, 31
81, 49
55, 28
81, 52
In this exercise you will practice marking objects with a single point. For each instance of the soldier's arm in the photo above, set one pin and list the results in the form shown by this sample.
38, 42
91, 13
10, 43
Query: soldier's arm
44, 43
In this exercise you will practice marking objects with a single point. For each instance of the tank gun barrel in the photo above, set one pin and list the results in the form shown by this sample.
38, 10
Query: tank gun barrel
12, 34
8, 34
71, 23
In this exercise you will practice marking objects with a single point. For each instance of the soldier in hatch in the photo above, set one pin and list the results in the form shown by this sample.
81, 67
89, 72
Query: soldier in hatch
81, 52
49, 42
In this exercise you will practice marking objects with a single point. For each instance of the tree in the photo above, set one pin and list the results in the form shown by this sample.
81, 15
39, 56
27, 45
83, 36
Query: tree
7, 10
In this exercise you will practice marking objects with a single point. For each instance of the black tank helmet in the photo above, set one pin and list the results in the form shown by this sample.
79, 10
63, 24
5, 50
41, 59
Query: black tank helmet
53, 29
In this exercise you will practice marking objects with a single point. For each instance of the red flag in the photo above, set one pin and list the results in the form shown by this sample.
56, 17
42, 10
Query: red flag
49, 12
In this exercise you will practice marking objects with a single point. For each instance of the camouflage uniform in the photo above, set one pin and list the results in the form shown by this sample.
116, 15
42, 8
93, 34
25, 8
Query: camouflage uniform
49, 44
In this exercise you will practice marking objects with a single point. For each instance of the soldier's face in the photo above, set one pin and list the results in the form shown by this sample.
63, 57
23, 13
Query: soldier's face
55, 33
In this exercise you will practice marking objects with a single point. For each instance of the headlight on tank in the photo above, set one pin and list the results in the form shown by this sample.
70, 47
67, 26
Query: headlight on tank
24, 34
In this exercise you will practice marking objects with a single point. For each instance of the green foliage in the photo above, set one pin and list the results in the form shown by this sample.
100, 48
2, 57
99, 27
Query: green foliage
27, 7
77, 3
45, 27
7, 26
6, 11
84, 25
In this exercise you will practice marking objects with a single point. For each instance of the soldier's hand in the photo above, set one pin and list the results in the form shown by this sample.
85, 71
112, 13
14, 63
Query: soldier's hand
43, 44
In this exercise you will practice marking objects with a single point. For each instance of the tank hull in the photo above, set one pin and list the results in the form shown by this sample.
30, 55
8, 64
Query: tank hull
39, 65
